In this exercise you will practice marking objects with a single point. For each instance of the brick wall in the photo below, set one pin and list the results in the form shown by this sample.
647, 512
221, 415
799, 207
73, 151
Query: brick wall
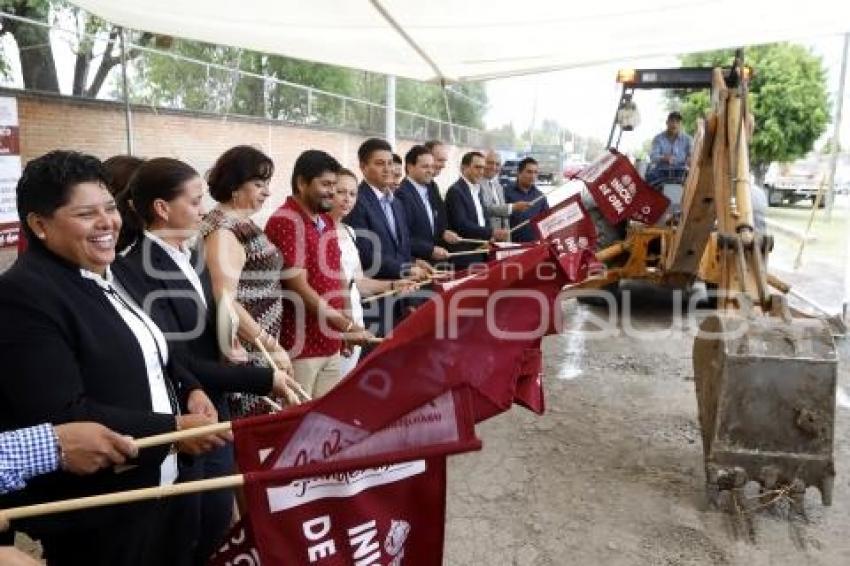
53, 122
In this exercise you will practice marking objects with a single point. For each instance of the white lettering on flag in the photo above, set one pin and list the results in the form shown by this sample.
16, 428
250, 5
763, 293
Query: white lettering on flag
561, 219
339, 485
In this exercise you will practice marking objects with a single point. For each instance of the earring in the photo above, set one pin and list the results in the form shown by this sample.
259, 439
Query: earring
41, 235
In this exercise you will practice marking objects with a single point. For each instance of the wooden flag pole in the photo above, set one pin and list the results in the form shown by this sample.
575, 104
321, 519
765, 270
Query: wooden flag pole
227, 326
130, 496
468, 252
391, 292
520, 225
290, 396
178, 435
534, 201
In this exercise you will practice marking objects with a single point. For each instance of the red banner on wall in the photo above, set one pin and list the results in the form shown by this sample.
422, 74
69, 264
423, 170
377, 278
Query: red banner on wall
10, 171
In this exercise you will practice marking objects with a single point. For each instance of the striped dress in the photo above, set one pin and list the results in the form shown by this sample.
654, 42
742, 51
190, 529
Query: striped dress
258, 291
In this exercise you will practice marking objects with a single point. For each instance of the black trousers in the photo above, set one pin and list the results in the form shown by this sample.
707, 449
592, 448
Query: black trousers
215, 508
151, 534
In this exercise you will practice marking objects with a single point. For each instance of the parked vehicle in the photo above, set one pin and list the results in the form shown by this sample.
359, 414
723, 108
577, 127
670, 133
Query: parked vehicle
791, 189
550, 159
508, 173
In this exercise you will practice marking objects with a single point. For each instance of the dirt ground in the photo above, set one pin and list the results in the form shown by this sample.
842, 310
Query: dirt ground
612, 473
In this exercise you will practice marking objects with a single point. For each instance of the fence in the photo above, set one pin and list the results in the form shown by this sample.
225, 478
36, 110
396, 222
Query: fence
212, 87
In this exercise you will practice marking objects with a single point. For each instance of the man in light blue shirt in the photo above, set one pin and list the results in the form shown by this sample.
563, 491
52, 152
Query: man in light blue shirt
671, 151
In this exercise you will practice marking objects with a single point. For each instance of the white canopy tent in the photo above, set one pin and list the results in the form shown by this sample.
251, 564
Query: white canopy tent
470, 40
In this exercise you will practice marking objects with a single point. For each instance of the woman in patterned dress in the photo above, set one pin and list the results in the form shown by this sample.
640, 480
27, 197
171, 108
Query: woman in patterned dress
242, 261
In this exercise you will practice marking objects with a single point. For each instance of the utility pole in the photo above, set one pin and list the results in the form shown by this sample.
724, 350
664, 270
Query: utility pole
389, 130
836, 133
128, 116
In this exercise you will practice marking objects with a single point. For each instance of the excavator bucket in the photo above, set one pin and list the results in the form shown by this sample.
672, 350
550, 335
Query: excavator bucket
766, 393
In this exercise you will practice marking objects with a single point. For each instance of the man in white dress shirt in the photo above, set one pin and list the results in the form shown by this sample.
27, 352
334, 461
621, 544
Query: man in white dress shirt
465, 210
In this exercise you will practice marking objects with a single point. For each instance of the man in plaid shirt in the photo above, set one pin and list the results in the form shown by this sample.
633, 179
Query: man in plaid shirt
79, 448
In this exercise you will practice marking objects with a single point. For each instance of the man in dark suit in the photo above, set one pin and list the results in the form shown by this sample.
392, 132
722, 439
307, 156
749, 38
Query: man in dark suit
466, 210
424, 207
383, 236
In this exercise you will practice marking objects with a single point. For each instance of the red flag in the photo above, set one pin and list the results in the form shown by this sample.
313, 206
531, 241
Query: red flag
446, 344
373, 514
529, 386
504, 250
379, 515
400, 499
571, 231
238, 548
648, 204
620, 192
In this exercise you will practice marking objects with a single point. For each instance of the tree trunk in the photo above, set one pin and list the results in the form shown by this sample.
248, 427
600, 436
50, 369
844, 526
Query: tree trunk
110, 59
759, 172
36, 56
107, 61
81, 72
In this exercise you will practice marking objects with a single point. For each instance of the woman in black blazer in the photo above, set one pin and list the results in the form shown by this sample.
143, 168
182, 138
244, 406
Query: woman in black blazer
75, 348
166, 198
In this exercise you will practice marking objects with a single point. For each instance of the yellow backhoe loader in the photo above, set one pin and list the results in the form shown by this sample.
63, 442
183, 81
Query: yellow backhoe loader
765, 379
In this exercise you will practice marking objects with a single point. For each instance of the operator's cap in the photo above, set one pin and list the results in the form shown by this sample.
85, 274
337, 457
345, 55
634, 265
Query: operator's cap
674, 115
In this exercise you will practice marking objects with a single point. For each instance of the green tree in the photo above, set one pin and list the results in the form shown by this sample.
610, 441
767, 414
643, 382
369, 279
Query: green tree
788, 98
170, 81
503, 137
238, 87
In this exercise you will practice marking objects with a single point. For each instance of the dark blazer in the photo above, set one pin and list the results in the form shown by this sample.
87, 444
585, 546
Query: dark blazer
367, 218
180, 311
461, 212
460, 209
68, 356
422, 237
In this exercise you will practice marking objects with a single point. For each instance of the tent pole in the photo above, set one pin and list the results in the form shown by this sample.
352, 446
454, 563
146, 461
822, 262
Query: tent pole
389, 131
128, 117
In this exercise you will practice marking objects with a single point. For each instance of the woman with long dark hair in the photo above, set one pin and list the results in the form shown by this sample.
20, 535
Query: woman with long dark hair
119, 169
166, 195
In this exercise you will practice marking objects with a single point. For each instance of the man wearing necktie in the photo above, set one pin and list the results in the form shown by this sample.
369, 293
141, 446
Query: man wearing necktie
424, 208
465, 210
383, 238
497, 211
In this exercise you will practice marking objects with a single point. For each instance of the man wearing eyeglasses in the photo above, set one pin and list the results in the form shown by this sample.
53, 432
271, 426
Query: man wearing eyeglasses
496, 209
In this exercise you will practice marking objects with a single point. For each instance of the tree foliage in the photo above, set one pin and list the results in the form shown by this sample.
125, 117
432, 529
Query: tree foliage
175, 82
788, 98
172, 82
